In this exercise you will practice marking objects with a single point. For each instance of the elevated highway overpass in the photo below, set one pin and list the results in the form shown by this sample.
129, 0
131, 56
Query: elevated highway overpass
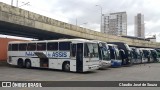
19, 22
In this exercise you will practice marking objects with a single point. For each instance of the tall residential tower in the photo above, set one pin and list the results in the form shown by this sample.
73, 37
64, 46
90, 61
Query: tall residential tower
115, 24
139, 26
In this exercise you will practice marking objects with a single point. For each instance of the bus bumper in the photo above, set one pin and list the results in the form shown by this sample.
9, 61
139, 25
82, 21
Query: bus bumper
91, 68
104, 65
116, 63
159, 60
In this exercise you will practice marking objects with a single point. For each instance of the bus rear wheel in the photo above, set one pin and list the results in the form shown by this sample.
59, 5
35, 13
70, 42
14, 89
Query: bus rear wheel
20, 63
66, 66
28, 64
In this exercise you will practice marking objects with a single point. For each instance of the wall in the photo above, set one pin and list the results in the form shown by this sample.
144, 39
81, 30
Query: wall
3, 47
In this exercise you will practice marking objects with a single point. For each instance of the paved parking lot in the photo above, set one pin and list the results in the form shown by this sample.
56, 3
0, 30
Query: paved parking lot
136, 72
141, 72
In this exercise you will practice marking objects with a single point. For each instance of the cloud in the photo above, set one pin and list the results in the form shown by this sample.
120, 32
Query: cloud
86, 11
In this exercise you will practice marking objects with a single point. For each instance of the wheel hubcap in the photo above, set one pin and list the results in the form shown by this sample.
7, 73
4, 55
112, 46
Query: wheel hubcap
28, 64
67, 66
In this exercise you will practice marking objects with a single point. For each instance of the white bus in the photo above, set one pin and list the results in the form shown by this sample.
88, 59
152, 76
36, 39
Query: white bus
104, 54
77, 55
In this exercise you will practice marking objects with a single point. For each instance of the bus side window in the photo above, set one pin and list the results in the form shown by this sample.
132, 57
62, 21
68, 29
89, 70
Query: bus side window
41, 46
22, 47
14, 47
73, 50
31, 47
86, 50
52, 46
10, 47
64, 45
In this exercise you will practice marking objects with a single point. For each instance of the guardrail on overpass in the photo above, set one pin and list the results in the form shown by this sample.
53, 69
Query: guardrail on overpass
11, 14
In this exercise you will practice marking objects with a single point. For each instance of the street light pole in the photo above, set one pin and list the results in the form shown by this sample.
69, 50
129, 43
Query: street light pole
17, 3
101, 17
12, 2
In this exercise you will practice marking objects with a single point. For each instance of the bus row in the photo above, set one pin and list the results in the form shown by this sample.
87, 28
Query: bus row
77, 55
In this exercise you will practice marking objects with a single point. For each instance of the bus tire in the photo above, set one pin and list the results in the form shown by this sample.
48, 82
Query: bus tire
27, 63
20, 63
66, 66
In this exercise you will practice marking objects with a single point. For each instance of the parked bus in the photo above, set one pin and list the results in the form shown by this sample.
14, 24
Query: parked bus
154, 55
116, 59
104, 54
77, 55
147, 54
151, 59
144, 55
137, 55
127, 55
158, 52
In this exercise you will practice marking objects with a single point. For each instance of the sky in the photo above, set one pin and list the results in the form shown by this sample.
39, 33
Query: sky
87, 14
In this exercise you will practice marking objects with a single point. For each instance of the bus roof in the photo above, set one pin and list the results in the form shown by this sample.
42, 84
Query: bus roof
112, 45
98, 41
58, 40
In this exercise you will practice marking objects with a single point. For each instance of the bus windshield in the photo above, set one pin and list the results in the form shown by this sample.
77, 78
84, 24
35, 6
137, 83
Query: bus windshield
92, 49
146, 53
105, 52
114, 53
136, 54
128, 48
117, 54
158, 53
154, 53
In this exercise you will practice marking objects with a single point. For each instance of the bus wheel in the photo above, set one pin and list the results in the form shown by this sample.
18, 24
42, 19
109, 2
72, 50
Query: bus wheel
28, 64
20, 63
66, 66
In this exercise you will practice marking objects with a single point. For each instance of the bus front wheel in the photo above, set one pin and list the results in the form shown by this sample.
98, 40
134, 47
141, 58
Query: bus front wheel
28, 64
66, 66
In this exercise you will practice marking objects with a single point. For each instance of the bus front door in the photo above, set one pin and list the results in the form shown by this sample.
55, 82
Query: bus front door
79, 57
77, 54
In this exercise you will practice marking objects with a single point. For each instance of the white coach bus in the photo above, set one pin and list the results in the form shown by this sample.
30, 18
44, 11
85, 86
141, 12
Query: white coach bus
77, 55
104, 54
